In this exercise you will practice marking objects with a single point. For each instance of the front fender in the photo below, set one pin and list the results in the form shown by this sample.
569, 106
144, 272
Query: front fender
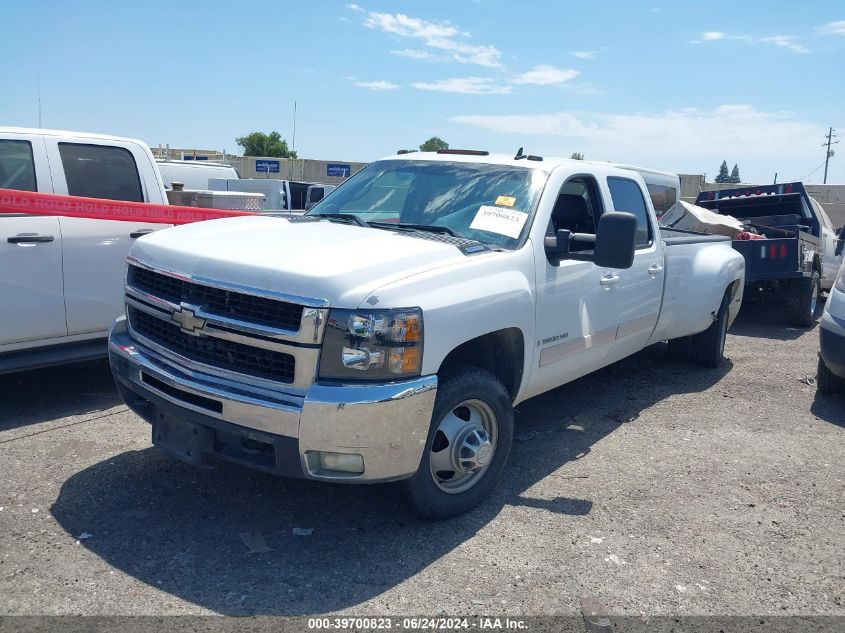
483, 294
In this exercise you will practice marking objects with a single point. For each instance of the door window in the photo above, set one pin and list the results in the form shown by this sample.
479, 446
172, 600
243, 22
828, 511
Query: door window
100, 171
577, 209
17, 166
628, 197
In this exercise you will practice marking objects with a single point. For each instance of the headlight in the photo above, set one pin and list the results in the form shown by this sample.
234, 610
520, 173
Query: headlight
372, 344
839, 284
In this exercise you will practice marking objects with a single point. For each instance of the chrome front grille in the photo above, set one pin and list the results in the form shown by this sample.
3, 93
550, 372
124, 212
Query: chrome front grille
229, 331
245, 359
227, 303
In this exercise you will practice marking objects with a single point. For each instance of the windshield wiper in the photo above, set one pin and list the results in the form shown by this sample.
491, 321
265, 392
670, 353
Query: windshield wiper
430, 228
341, 216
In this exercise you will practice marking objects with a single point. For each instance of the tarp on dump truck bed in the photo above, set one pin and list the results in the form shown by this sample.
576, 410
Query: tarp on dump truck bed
690, 217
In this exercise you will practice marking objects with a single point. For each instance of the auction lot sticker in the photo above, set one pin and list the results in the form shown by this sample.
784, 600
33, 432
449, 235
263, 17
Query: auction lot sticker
498, 220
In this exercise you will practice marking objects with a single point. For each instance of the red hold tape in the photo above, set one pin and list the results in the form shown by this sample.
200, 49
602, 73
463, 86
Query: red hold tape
13, 201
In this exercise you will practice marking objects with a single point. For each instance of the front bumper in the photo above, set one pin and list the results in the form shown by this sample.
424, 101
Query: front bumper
197, 416
832, 342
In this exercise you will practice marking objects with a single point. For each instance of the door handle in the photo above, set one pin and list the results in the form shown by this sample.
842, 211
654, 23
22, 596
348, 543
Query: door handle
609, 280
654, 269
140, 233
29, 238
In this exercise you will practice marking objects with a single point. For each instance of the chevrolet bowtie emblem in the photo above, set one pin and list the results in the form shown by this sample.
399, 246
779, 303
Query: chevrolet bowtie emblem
186, 317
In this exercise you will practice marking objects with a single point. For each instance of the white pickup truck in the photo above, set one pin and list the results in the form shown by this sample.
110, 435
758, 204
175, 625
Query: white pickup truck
61, 279
388, 333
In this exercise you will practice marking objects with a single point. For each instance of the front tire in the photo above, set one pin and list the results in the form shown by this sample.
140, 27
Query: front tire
803, 300
467, 447
828, 383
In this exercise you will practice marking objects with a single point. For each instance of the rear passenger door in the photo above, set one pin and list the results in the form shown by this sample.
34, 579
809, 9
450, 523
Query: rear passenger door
641, 286
31, 298
95, 250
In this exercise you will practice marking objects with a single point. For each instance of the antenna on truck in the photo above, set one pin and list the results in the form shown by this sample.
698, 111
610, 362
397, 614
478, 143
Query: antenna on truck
519, 154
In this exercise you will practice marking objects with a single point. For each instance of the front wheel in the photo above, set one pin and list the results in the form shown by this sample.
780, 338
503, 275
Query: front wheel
828, 383
468, 444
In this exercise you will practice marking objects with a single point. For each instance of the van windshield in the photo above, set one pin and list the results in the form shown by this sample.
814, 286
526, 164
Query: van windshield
488, 203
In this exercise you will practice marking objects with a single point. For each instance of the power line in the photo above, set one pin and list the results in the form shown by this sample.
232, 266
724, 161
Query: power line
812, 172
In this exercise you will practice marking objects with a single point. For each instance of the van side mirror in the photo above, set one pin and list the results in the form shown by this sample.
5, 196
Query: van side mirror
840, 243
615, 240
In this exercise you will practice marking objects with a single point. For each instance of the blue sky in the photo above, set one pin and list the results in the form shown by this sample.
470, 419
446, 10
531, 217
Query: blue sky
672, 85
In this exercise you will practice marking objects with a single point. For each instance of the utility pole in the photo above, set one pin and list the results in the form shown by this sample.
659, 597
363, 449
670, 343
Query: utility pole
830, 136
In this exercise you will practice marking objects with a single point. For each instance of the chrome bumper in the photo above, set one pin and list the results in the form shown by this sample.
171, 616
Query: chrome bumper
387, 424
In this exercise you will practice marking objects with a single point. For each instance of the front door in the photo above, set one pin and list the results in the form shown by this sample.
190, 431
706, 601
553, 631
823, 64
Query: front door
577, 302
32, 303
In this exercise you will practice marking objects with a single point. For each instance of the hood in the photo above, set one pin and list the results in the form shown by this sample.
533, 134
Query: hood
340, 263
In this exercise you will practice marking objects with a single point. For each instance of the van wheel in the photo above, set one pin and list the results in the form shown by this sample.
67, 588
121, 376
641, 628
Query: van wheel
803, 304
708, 347
468, 444
828, 383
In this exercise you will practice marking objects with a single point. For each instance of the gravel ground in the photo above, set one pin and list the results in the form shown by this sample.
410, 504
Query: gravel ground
651, 487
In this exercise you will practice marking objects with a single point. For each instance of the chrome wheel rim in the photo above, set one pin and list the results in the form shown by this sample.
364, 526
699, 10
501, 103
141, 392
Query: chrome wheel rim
464, 446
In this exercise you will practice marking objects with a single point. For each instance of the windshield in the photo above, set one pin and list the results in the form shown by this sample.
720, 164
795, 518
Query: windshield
488, 203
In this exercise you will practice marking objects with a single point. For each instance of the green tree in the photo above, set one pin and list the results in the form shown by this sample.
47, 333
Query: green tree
723, 176
261, 144
577, 156
735, 175
433, 144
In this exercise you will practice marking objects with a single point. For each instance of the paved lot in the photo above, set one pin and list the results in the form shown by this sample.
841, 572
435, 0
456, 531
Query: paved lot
652, 487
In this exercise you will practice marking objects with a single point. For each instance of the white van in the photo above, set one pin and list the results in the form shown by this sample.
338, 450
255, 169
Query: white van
193, 174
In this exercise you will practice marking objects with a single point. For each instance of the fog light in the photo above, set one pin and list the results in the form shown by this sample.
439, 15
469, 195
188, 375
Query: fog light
343, 462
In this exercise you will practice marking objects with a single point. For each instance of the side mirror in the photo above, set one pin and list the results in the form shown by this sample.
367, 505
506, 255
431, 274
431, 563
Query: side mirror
615, 240
840, 245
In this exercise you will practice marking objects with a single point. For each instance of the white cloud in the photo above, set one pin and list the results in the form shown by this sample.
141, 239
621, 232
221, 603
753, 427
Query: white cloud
833, 28
466, 85
679, 138
376, 85
355, 7
545, 75
440, 36
412, 53
786, 41
583, 54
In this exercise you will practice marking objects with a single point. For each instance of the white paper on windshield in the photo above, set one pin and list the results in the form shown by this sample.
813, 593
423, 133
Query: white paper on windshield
498, 220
